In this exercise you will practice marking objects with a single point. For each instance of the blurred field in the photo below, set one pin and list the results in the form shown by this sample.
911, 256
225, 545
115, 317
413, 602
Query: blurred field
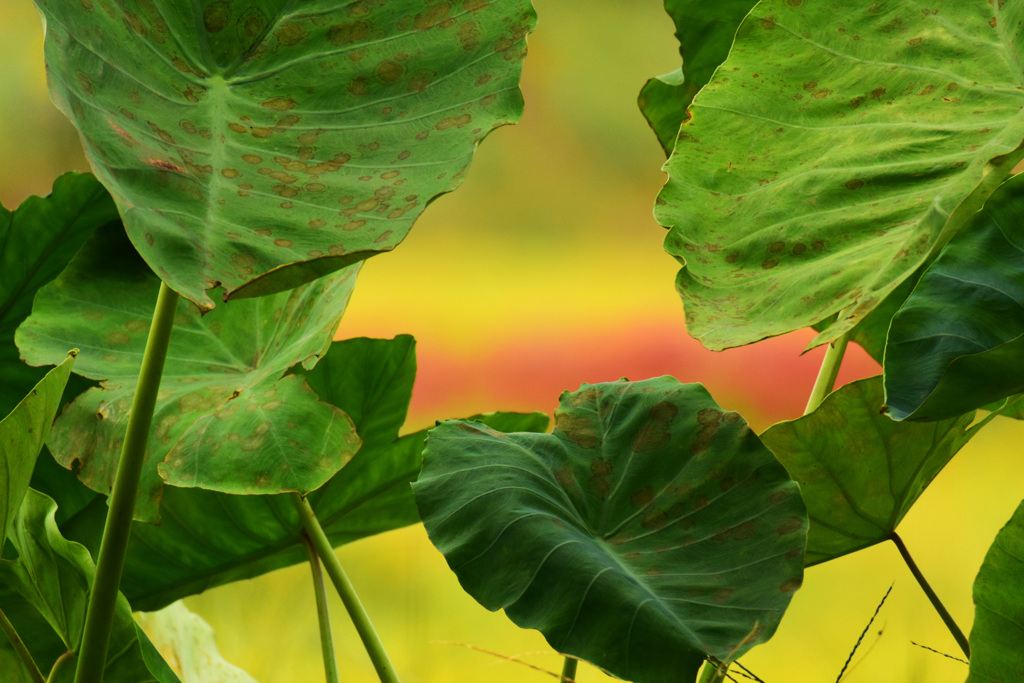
544, 271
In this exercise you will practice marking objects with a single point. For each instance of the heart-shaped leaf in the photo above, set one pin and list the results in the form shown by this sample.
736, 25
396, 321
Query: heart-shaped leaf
705, 31
36, 242
260, 145
225, 417
860, 472
835, 151
956, 343
22, 435
189, 641
998, 631
54, 576
652, 528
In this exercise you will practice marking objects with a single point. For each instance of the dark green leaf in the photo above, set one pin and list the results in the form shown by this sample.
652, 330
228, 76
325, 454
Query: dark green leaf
860, 472
54, 576
705, 31
261, 145
36, 242
835, 151
957, 343
225, 418
651, 528
22, 435
998, 632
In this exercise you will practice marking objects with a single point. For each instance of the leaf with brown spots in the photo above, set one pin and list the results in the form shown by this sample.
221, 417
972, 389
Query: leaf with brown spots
225, 419
201, 122
860, 472
651, 529
829, 128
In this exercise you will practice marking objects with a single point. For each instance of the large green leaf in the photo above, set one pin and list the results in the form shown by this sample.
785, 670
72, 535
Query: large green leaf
835, 151
36, 242
651, 528
22, 435
225, 418
259, 145
54, 576
957, 342
705, 31
860, 472
997, 654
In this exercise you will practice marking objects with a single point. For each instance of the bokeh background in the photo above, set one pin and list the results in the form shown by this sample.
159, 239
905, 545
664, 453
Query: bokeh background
543, 271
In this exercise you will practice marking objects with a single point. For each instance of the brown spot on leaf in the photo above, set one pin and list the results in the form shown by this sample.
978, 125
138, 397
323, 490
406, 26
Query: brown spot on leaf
789, 586
770, 263
789, 526
283, 243
656, 432
389, 71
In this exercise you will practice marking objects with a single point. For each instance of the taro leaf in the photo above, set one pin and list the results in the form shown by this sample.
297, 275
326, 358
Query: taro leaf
36, 241
860, 472
189, 641
54, 575
225, 418
997, 637
705, 31
957, 343
650, 528
22, 435
260, 145
837, 148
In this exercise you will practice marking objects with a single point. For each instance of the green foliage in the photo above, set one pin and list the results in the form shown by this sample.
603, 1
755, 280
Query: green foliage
36, 242
54, 576
860, 472
879, 130
996, 653
956, 343
651, 529
225, 419
705, 31
257, 146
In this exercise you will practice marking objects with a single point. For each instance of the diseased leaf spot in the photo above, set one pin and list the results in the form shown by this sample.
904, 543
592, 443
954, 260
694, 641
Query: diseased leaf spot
252, 158
789, 526
118, 338
283, 243
389, 71
854, 184
643, 497
770, 263
790, 585
347, 34
229, 173
280, 104
216, 16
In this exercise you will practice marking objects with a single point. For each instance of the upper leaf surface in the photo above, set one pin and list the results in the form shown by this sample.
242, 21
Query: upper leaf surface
998, 631
823, 164
37, 241
956, 343
650, 528
705, 31
225, 418
260, 145
860, 472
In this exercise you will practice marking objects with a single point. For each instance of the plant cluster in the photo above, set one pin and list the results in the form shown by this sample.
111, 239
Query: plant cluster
841, 165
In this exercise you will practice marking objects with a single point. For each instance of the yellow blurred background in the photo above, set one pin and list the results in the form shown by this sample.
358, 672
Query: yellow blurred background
543, 271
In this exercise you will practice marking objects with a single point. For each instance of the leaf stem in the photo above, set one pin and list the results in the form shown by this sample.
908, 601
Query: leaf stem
103, 598
323, 615
568, 670
19, 647
947, 618
826, 380
63, 662
710, 672
361, 620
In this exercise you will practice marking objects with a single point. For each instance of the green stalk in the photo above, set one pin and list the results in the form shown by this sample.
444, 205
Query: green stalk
92, 655
361, 620
826, 380
947, 618
568, 670
65, 661
709, 673
19, 648
323, 616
